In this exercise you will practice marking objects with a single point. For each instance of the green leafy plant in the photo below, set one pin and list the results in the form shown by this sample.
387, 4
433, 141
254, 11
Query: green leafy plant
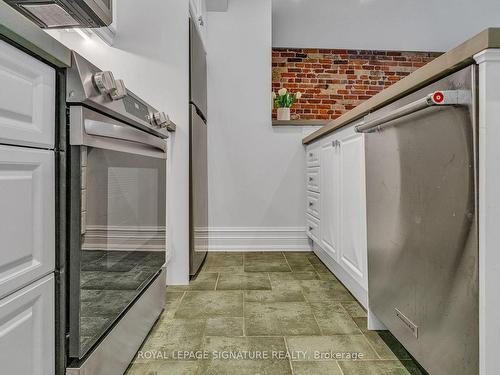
285, 99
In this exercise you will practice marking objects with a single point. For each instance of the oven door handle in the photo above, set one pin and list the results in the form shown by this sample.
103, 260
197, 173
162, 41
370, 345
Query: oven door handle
103, 129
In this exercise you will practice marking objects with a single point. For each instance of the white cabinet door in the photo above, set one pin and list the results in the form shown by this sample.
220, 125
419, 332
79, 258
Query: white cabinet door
27, 344
27, 216
353, 247
27, 99
329, 203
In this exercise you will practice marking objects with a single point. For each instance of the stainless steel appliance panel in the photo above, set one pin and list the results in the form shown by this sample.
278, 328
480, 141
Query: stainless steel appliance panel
118, 222
199, 191
198, 70
198, 155
66, 13
422, 228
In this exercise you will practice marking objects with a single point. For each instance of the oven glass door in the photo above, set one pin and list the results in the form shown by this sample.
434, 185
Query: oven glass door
122, 238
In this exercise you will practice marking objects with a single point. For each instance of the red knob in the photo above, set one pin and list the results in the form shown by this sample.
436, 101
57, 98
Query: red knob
438, 97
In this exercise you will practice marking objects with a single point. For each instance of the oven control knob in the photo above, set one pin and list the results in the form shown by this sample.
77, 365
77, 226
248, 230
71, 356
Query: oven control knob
161, 119
120, 92
105, 82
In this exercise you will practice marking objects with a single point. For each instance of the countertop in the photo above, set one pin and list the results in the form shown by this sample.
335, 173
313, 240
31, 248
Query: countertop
26, 34
450, 62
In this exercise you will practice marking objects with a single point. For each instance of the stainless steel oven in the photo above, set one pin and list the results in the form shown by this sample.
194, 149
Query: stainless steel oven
117, 220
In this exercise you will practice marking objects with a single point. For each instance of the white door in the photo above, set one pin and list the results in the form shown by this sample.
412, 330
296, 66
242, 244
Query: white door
353, 254
329, 187
27, 338
27, 99
27, 216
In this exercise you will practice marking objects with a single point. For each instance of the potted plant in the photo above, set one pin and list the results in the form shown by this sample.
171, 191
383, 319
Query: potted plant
283, 101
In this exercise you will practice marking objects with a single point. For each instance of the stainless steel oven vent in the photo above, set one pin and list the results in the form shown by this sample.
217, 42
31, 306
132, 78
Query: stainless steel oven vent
66, 13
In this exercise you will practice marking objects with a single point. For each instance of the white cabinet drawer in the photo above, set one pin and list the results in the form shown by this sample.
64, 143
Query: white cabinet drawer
312, 157
27, 343
313, 204
312, 228
27, 216
313, 179
27, 99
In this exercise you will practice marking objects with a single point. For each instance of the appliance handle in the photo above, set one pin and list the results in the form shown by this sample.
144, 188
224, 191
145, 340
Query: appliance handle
124, 133
440, 98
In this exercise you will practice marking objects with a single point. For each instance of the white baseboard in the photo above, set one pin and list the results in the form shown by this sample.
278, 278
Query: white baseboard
350, 283
258, 239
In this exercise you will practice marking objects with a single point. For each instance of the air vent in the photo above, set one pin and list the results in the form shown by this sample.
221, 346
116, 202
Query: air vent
408, 323
52, 15
66, 13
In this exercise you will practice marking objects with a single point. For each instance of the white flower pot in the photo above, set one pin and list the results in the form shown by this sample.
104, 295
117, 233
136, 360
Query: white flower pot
284, 114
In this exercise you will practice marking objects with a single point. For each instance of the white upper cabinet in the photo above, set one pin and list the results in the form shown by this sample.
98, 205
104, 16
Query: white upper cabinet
27, 338
27, 99
353, 256
198, 10
329, 187
27, 216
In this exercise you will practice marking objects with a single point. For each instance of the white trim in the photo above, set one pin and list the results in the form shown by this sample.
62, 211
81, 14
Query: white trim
258, 239
356, 289
489, 210
124, 238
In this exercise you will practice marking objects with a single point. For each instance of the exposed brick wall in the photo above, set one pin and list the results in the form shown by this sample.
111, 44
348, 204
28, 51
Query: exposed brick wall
335, 81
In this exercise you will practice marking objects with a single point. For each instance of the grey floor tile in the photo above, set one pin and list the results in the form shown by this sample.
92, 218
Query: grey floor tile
270, 295
224, 327
283, 290
300, 275
265, 262
384, 343
172, 336
204, 281
165, 368
378, 368
354, 309
244, 281
223, 262
248, 365
332, 347
318, 265
279, 319
316, 368
209, 304
325, 290
333, 319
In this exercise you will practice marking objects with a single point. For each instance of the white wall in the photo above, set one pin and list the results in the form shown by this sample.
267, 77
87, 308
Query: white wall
409, 25
151, 54
256, 172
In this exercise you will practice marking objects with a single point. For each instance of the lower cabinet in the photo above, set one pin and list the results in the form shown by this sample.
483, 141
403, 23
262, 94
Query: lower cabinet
352, 223
341, 219
27, 216
27, 330
329, 186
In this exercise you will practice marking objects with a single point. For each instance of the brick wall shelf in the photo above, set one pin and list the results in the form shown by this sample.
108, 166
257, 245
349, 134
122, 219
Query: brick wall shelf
301, 123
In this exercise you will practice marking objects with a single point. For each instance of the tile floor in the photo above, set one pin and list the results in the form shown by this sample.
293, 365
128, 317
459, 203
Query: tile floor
266, 314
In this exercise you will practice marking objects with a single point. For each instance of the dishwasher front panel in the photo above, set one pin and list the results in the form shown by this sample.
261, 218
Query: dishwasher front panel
422, 228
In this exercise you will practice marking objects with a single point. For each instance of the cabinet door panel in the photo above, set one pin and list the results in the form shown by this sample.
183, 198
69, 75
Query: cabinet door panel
27, 99
27, 327
329, 229
313, 204
312, 156
313, 179
353, 247
27, 212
